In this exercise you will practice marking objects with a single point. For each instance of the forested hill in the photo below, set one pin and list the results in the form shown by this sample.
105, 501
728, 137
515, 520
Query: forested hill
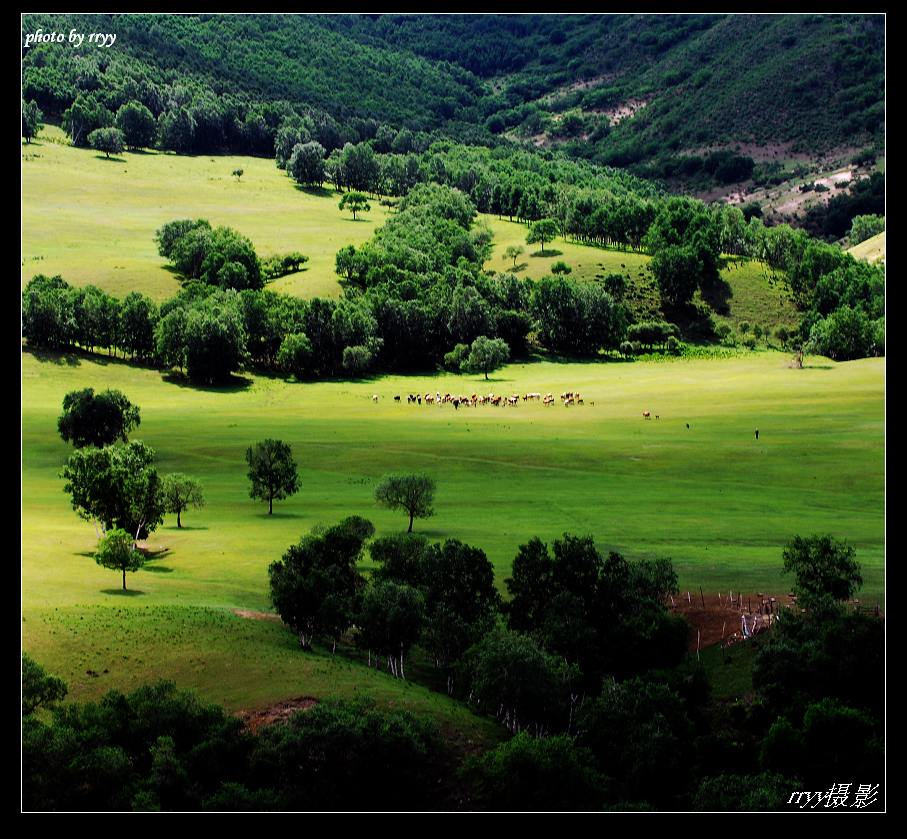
617, 89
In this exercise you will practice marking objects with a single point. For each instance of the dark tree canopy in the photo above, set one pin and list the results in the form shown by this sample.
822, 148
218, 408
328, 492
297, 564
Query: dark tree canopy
97, 420
272, 471
315, 585
822, 566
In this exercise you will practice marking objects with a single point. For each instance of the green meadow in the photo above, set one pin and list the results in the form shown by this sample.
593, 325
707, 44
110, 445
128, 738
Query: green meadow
693, 485
93, 220
711, 497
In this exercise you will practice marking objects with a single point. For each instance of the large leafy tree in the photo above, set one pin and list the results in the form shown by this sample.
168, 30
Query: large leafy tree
541, 231
823, 567
306, 164
97, 420
116, 486
31, 120
487, 354
314, 586
355, 202
108, 140
272, 471
137, 124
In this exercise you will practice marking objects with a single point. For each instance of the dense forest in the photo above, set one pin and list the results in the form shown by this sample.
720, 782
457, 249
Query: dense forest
815, 81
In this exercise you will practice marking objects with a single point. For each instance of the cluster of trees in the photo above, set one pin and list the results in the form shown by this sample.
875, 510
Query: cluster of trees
159, 748
648, 739
112, 481
216, 256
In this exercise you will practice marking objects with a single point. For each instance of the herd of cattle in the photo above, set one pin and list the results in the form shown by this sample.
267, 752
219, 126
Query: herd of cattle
568, 398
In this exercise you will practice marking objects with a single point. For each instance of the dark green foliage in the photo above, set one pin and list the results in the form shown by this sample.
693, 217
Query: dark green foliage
605, 614
85, 115
844, 335
640, 733
117, 486
218, 256
314, 586
272, 471
389, 621
137, 124
357, 360
295, 355
90, 420
865, 227
32, 120
534, 773
822, 565
576, 318
522, 686
39, 690
745, 793
349, 756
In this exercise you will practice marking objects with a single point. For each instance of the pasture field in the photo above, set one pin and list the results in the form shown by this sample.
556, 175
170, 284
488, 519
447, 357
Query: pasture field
93, 220
719, 503
872, 250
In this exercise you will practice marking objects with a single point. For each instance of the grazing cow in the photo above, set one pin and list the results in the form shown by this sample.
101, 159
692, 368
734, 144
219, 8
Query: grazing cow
419, 399
374, 397
656, 416
397, 398
646, 415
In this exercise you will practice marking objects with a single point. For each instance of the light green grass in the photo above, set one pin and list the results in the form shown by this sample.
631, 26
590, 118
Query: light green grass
93, 220
872, 250
711, 497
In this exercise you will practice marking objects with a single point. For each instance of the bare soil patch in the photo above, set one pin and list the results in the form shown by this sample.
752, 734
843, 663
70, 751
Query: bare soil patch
720, 619
256, 616
279, 712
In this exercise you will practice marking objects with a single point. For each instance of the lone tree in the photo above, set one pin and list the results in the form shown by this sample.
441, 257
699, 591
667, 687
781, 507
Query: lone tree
179, 493
413, 493
487, 354
355, 202
108, 140
824, 567
541, 231
31, 120
513, 252
272, 471
97, 420
118, 552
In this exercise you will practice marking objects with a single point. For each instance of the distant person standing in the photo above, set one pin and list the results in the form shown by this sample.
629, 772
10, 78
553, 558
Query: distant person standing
757, 433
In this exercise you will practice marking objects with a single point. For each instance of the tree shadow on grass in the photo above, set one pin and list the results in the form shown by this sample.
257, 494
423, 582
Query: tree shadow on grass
521, 267
717, 293
279, 514
546, 254
176, 529
118, 592
317, 191
818, 367
53, 356
157, 569
111, 159
236, 384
